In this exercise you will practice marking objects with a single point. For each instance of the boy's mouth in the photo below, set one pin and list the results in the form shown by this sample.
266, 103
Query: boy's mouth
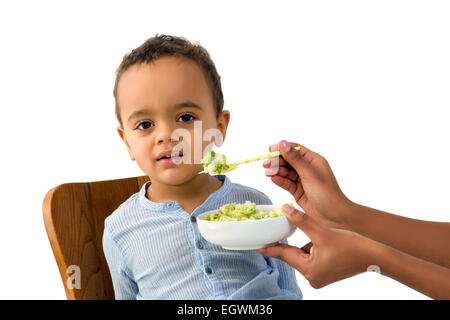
168, 155
170, 161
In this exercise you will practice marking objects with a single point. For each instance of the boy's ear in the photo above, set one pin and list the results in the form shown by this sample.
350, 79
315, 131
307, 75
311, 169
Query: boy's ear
121, 133
222, 122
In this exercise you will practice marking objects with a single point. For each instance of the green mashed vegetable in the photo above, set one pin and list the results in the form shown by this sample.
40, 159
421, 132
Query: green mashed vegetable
214, 162
243, 211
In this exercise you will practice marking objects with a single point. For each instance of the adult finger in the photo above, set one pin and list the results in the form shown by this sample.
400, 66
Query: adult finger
286, 184
282, 172
276, 147
279, 161
295, 257
275, 162
304, 222
295, 158
273, 147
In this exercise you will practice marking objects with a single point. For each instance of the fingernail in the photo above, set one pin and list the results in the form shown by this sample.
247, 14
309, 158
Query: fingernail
288, 209
271, 171
274, 147
267, 162
285, 146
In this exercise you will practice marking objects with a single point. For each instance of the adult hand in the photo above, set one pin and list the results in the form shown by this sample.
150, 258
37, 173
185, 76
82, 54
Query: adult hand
309, 178
339, 254
347, 238
335, 254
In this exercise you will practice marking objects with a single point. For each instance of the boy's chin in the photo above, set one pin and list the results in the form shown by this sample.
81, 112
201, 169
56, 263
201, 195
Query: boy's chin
176, 177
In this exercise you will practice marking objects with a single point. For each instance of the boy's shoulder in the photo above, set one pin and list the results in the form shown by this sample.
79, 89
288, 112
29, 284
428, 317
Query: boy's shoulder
123, 213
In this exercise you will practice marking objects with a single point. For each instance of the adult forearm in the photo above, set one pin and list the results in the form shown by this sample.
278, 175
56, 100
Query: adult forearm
426, 277
423, 239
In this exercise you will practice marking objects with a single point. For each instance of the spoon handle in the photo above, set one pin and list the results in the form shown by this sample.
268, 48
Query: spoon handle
261, 157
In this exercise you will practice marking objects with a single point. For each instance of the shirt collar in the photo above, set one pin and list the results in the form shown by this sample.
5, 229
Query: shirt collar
174, 205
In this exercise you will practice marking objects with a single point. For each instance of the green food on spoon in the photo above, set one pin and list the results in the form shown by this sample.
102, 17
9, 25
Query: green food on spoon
215, 162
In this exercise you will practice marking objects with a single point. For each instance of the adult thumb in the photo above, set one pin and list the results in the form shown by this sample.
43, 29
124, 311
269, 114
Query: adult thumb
295, 257
294, 157
303, 221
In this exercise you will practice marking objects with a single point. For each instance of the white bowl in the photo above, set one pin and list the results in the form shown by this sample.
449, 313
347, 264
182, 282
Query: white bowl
247, 234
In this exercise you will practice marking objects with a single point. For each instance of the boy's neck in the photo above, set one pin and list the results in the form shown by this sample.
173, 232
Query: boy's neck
189, 195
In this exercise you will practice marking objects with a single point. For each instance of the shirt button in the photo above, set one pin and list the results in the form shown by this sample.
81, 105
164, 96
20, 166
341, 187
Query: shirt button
170, 205
208, 270
193, 219
199, 245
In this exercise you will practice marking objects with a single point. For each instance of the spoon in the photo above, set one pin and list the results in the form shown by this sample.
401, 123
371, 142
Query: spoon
233, 165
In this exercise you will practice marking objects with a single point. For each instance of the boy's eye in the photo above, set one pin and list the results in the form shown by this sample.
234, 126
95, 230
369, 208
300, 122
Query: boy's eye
186, 117
144, 125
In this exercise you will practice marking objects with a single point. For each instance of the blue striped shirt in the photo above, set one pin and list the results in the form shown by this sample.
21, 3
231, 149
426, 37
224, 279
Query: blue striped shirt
155, 251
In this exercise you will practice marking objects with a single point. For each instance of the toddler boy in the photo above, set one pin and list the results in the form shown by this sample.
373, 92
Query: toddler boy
151, 242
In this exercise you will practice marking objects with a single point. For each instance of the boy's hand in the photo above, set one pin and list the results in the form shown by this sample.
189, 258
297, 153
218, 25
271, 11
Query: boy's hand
309, 178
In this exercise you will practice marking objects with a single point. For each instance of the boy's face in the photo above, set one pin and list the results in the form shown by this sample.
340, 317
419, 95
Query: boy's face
155, 100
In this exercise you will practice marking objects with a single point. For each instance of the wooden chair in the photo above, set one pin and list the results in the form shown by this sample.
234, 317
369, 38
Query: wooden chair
74, 215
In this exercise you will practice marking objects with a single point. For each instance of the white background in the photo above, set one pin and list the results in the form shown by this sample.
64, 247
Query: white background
364, 83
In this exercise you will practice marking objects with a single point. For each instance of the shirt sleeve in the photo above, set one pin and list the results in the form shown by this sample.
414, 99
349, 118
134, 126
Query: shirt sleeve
125, 288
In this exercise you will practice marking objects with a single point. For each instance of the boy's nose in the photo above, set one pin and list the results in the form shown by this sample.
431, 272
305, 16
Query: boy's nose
163, 133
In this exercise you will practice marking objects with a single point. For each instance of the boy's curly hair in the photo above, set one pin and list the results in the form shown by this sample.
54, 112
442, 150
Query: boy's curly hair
164, 45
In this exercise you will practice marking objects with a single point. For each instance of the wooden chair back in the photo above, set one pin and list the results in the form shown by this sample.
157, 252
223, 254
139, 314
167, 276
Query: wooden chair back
74, 215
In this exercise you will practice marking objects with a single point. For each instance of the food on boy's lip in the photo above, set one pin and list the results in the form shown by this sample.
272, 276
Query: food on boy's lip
214, 162
243, 211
